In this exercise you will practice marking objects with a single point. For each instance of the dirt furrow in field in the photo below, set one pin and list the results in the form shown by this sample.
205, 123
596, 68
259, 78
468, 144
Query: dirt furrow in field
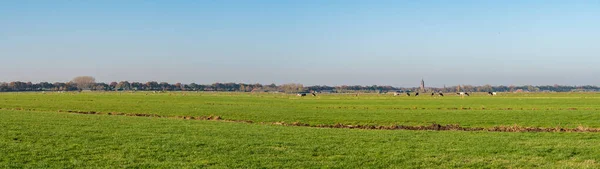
433, 127
451, 108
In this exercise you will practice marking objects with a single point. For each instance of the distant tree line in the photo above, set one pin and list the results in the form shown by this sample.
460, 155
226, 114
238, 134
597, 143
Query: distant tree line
288, 88
89, 83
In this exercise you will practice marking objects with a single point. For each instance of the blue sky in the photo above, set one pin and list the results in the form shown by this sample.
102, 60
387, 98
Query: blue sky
311, 42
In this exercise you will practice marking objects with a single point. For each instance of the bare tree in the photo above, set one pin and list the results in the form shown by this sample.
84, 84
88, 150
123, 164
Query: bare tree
84, 82
292, 87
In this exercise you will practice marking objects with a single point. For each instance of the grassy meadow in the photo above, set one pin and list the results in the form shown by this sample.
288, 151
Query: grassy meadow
480, 110
37, 132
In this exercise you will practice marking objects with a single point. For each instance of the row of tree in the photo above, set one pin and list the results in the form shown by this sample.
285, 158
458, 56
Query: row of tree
89, 83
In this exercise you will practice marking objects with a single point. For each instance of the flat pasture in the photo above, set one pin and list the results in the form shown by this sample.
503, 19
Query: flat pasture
47, 130
62, 140
480, 110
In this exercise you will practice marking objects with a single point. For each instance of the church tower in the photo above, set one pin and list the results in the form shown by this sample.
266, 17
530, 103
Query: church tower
422, 85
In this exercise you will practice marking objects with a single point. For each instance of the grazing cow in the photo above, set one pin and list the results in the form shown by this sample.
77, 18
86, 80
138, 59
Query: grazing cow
462, 94
492, 93
441, 94
417, 94
396, 93
301, 94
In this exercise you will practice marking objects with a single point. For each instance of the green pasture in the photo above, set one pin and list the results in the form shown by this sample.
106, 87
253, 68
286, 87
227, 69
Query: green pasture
478, 110
62, 140
36, 131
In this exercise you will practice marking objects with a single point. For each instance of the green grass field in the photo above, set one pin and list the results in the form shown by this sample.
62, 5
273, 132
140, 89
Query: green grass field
36, 132
538, 110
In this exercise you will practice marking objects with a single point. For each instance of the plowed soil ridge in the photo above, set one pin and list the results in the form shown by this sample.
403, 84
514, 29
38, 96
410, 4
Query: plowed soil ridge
453, 108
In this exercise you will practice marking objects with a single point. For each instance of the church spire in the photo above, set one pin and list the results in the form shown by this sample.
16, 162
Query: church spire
422, 85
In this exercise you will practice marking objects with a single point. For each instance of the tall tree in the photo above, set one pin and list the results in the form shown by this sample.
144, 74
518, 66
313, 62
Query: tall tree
178, 86
112, 85
84, 82
123, 85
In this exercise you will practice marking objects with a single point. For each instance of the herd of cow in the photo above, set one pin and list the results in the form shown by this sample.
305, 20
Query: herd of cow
462, 94
304, 94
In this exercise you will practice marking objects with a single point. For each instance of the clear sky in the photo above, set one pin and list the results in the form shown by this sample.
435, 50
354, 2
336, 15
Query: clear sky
320, 42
